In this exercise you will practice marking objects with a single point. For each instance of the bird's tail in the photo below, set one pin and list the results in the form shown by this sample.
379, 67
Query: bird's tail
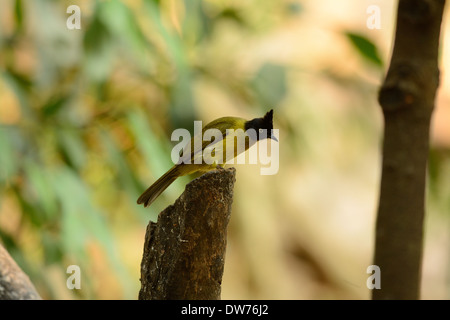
159, 186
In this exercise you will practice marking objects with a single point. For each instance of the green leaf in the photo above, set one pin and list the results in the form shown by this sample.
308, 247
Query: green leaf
97, 35
8, 156
38, 179
232, 14
98, 47
182, 110
72, 147
294, 8
365, 47
269, 84
54, 105
122, 23
51, 245
18, 14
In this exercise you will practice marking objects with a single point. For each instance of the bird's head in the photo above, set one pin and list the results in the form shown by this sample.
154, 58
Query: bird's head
263, 126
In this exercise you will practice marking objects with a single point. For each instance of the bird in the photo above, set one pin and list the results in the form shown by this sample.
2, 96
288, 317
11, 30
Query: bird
203, 157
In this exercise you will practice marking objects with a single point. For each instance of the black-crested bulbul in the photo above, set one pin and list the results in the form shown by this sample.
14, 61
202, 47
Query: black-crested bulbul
233, 136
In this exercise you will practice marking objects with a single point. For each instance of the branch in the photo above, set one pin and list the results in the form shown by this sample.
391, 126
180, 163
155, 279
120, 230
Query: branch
184, 252
14, 284
407, 101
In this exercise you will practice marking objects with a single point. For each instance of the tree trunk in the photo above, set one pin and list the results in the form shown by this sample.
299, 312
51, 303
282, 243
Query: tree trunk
407, 101
184, 252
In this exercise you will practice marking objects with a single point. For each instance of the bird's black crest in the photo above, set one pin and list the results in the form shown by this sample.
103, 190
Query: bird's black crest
268, 120
265, 122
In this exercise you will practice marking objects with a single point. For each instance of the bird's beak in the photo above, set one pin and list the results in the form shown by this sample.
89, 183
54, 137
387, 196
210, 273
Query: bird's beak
273, 137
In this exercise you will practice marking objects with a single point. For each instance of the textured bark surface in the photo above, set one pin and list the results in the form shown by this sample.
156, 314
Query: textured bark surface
184, 252
407, 101
14, 284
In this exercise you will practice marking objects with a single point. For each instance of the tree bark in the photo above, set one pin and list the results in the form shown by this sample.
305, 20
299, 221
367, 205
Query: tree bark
407, 101
184, 252
14, 284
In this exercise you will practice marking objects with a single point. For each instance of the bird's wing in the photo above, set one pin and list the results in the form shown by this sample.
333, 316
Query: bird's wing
195, 148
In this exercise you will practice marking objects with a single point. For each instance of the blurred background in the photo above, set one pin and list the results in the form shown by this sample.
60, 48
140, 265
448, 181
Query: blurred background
86, 117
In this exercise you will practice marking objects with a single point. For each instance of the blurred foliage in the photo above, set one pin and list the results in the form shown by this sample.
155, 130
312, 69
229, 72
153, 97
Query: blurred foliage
86, 117
86, 107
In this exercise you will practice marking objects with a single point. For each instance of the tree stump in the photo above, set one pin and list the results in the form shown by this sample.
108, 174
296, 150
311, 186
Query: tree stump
184, 252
